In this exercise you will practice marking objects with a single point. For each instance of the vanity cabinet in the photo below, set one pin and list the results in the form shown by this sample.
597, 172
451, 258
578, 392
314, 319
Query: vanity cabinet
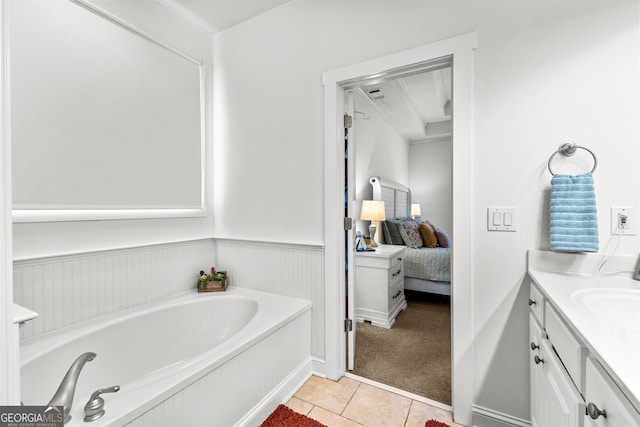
555, 401
568, 385
380, 285
603, 395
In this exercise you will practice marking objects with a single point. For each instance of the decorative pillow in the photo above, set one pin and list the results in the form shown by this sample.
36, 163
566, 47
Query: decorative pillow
392, 234
444, 241
428, 235
410, 232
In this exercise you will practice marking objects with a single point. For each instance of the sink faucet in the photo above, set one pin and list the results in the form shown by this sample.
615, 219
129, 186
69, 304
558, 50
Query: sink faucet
67, 388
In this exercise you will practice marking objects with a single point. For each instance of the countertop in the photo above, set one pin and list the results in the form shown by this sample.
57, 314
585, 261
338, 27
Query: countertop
614, 344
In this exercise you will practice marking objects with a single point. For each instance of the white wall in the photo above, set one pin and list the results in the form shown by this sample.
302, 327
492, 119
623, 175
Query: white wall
41, 239
430, 180
379, 151
545, 72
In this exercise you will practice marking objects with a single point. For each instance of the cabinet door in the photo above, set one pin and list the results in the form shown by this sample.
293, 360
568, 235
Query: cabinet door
536, 372
605, 395
563, 405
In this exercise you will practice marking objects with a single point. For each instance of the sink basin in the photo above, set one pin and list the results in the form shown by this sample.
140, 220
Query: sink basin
620, 306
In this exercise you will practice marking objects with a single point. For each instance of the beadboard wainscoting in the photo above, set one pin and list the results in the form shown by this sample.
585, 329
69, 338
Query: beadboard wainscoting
285, 269
72, 288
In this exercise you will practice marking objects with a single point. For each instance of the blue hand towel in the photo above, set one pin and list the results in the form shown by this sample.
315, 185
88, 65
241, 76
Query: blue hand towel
574, 219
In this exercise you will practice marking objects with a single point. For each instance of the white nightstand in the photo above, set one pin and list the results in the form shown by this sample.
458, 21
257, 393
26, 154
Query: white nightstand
380, 285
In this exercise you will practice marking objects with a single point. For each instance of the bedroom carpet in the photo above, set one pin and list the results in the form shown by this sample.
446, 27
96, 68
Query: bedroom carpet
415, 354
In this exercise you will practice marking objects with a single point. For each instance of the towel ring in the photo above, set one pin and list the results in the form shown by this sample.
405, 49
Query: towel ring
569, 149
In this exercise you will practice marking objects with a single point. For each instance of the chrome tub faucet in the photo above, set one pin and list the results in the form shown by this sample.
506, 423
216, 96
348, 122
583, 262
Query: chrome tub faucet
64, 394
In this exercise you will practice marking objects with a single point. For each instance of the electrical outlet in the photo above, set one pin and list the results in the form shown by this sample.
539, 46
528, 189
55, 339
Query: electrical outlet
623, 221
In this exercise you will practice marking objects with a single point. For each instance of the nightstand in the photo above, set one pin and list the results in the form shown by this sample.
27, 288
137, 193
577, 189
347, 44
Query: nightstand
380, 285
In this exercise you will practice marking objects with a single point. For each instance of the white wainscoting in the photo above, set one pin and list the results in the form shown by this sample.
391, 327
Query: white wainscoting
72, 288
284, 269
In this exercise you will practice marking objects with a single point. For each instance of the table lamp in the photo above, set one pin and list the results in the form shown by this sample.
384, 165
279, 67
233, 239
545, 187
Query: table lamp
415, 210
372, 210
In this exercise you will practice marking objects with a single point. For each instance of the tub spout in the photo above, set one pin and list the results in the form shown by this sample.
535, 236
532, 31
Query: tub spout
67, 388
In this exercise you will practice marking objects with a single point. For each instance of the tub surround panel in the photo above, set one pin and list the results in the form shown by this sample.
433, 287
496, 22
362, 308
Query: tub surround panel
65, 290
285, 269
234, 394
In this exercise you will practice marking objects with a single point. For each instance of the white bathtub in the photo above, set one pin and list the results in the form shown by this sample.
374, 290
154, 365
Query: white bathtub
214, 359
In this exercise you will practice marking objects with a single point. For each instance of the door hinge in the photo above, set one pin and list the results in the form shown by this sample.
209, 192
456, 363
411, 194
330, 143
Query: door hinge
348, 325
348, 121
348, 223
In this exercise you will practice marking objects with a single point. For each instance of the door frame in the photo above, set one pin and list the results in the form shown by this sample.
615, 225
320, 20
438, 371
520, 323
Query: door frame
461, 50
9, 356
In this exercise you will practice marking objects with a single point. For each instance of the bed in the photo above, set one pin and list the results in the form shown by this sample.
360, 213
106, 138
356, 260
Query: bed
426, 269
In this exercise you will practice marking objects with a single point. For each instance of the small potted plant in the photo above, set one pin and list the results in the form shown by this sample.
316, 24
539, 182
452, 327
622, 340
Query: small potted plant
214, 282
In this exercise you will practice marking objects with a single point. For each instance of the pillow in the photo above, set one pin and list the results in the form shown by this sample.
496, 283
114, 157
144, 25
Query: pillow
410, 232
392, 234
444, 241
428, 235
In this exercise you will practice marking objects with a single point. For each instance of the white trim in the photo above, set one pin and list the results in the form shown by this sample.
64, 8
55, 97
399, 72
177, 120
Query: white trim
506, 419
58, 215
310, 246
9, 347
461, 48
68, 256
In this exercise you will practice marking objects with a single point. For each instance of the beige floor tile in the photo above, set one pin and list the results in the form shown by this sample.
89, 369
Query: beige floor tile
420, 413
328, 394
300, 406
375, 407
330, 419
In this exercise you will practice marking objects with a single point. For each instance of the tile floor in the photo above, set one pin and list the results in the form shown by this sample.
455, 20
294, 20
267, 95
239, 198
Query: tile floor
351, 403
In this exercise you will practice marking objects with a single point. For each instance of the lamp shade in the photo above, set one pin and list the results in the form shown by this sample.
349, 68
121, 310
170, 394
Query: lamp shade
415, 210
372, 210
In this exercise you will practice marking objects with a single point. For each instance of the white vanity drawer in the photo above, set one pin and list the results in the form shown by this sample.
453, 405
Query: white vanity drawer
536, 302
606, 396
569, 349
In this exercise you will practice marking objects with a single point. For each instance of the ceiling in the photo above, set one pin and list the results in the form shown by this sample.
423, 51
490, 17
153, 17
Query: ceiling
213, 16
417, 106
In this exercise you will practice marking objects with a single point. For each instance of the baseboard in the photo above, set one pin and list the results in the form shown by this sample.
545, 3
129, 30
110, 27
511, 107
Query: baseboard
318, 367
280, 394
485, 417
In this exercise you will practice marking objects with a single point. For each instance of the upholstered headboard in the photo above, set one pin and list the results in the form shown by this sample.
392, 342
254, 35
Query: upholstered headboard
396, 197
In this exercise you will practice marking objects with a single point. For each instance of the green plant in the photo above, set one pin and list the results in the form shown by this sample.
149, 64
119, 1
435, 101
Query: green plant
214, 276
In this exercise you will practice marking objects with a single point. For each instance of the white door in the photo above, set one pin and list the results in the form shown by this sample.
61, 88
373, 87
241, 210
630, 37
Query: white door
349, 188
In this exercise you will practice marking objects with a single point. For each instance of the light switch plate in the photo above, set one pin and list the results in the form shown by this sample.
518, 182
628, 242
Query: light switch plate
501, 219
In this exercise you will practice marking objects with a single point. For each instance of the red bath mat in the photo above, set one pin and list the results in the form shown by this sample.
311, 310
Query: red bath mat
434, 423
285, 417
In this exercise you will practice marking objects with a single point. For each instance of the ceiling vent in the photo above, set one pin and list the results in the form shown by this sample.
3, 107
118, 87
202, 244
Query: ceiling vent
376, 94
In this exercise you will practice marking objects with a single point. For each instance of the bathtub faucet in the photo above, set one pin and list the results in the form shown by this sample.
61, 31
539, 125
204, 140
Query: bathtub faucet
67, 388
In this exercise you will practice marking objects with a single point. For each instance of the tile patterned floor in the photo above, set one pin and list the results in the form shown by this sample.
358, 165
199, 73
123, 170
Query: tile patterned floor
350, 403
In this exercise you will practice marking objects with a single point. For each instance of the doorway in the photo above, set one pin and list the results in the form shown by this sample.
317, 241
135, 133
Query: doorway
461, 51
401, 132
